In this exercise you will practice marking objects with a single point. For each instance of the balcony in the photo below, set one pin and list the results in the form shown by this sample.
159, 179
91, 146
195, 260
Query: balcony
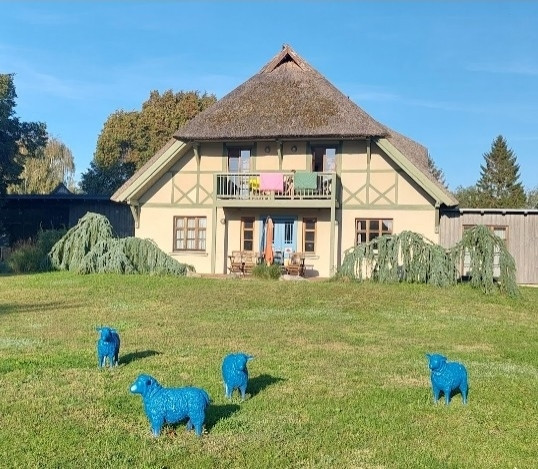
271, 188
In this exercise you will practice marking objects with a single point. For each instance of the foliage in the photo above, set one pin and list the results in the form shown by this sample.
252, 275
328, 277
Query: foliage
32, 256
41, 174
91, 247
499, 185
409, 257
18, 140
263, 270
532, 198
468, 197
340, 378
134, 137
435, 171
105, 180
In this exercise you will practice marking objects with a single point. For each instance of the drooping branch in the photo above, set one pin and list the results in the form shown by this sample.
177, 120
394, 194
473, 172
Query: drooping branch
410, 257
91, 247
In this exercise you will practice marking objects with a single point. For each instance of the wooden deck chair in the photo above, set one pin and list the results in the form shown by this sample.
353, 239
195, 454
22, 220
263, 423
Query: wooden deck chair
296, 264
249, 261
236, 263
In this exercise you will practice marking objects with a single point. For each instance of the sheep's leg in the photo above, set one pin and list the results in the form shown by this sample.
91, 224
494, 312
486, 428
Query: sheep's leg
198, 423
447, 395
189, 425
464, 389
436, 394
243, 390
156, 427
227, 391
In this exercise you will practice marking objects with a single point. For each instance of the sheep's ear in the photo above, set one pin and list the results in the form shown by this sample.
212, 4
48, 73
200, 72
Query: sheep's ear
149, 381
428, 356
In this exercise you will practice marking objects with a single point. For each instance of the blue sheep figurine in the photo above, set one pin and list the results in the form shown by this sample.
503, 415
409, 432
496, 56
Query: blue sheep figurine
108, 346
235, 373
170, 405
447, 377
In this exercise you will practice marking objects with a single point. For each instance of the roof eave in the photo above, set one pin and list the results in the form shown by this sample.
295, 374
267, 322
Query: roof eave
415, 173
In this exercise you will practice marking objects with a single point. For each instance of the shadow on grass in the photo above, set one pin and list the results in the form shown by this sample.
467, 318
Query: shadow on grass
219, 412
259, 383
133, 356
37, 307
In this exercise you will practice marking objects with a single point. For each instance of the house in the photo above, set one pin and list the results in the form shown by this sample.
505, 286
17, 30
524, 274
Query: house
288, 145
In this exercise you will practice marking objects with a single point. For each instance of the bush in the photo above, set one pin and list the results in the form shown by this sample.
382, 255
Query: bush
32, 255
267, 271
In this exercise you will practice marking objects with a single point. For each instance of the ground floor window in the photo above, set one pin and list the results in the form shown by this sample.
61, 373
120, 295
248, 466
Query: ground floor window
501, 232
190, 233
309, 235
367, 229
247, 234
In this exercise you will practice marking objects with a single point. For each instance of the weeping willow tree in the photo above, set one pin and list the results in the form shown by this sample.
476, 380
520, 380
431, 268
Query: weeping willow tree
409, 257
91, 247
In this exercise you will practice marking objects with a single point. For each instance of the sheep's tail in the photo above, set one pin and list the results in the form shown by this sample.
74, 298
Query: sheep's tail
206, 396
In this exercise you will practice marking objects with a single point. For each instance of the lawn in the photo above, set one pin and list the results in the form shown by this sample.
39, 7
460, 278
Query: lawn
340, 377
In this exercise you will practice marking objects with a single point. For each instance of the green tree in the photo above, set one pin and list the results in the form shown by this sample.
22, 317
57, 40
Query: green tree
104, 180
532, 198
435, 171
468, 197
18, 140
499, 185
41, 173
135, 136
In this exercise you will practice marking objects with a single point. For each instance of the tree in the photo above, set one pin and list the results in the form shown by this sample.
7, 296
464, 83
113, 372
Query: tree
468, 197
532, 198
134, 137
105, 180
499, 185
435, 171
18, 140
41, 173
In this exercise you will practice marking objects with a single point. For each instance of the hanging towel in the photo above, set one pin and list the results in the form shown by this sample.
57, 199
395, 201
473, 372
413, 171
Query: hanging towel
271, 182
305, 180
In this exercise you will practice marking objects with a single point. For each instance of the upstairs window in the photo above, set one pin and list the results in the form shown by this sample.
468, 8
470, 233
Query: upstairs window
238, 160
323, 158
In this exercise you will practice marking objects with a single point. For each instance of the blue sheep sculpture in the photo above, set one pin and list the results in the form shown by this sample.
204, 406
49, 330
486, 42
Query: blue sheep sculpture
447, 377
108, 346
170, 405
235, 373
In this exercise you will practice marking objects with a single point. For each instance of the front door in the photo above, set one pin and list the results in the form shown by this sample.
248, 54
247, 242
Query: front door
284, 237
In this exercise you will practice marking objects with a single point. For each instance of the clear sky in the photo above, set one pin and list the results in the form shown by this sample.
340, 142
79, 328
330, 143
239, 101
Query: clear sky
450, 75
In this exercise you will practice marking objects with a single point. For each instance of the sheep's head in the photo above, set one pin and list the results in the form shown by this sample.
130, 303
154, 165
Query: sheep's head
106, 333
144, 385
435, 361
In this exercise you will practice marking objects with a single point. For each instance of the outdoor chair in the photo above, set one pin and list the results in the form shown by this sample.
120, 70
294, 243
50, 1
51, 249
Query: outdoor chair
296, 264
236, 263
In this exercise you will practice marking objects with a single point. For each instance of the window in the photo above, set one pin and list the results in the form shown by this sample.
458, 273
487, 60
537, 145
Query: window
238, 160
501, 232
367, 229
247, 234
309, 234
190, 233
323, 158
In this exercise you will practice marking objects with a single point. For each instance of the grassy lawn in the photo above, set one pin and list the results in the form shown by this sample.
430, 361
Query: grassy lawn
339, 380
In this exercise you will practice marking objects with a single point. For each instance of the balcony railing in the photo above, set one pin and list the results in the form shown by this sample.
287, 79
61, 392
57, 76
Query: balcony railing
275, 185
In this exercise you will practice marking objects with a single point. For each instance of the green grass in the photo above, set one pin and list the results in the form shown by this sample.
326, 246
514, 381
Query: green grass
339, 380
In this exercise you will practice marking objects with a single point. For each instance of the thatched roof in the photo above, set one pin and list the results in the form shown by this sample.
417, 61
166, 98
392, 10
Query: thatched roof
287, 98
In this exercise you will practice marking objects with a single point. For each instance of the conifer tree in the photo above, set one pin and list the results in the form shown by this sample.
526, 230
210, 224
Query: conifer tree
499, 185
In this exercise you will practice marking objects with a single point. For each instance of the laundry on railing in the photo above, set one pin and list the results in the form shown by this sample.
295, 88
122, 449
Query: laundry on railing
305, 180
271, 182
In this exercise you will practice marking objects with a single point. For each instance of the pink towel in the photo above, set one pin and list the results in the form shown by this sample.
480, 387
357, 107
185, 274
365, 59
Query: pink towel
271, 182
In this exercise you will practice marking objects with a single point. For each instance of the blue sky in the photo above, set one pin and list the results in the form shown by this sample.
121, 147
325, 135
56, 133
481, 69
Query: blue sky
450, 75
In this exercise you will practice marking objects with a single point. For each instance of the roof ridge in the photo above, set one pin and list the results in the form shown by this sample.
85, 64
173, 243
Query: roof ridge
287, 54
